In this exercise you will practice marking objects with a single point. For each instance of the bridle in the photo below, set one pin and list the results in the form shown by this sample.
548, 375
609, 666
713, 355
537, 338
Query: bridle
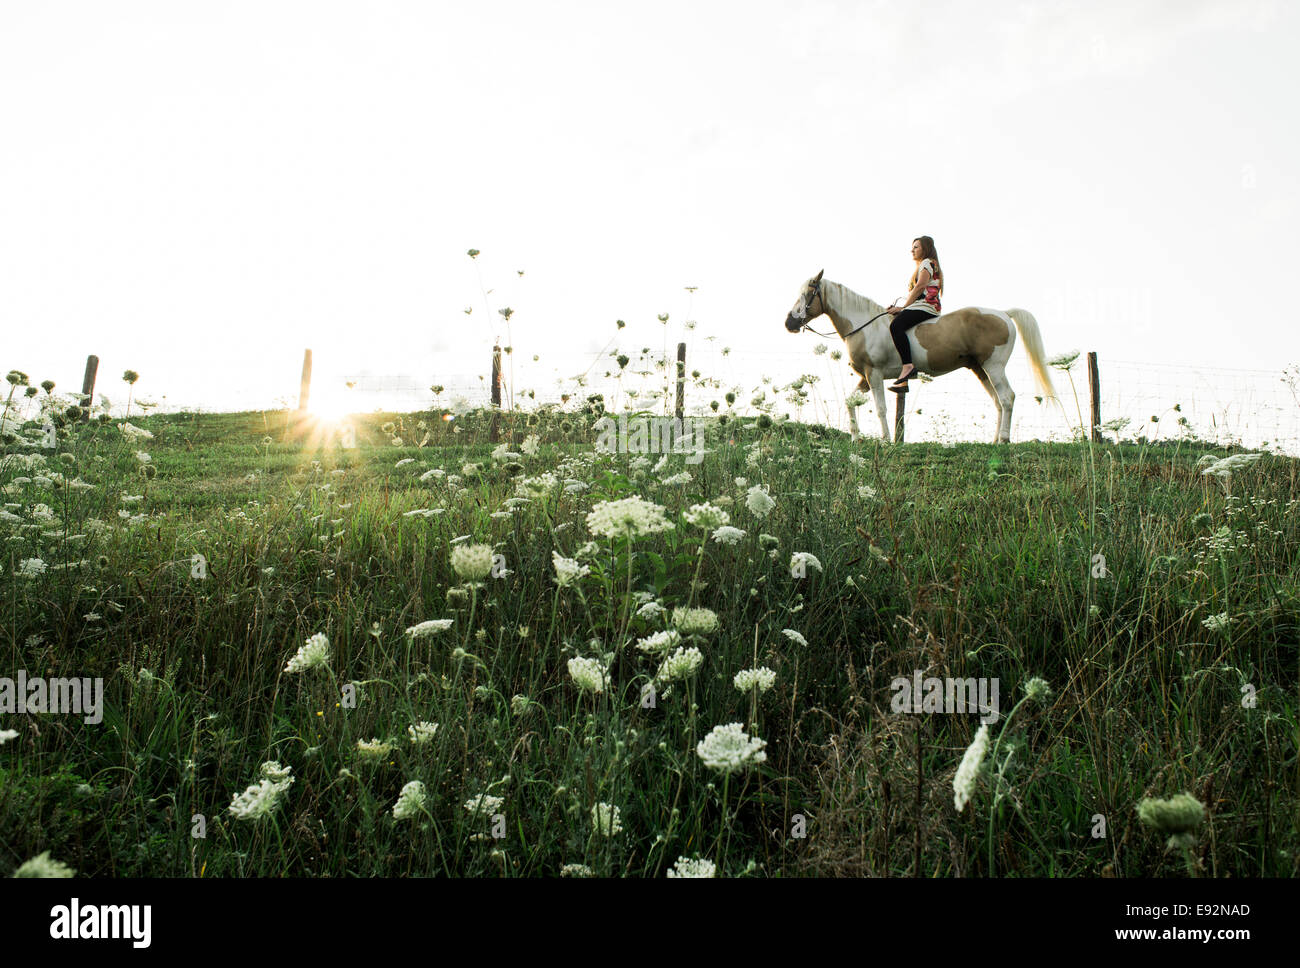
807, 306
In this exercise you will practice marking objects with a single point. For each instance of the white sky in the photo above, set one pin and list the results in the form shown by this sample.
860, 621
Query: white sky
198, 191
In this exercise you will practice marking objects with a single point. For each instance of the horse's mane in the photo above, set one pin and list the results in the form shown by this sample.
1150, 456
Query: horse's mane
851, 304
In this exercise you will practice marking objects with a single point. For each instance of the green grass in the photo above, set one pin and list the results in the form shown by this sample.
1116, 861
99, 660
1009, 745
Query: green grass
981, 567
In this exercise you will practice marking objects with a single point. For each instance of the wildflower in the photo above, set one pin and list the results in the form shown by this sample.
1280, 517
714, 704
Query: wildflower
374, 748
1217, 623
707, 516
530, 445
314, 654
728, 535
271, 769
260, 799
131, 432
729, 749
1037, 690
472, 562
650, 611
605, 817
660, 642
588, 674
768, 542
1178, 816
758, 501
856, 399
31, 567
695, 621
42, 865
820, 349
567, 570
631, 517
484, 803
682, 664
794, 636
801, 561
421, 733
431, 627
683, 477
577, 870
695, 867
963, 784
746, 679
7, 734
1223, 469
410, 801
537, 487
866, 492
519, 704
1063, 361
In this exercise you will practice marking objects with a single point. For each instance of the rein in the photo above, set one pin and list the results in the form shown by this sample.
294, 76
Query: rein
817, 292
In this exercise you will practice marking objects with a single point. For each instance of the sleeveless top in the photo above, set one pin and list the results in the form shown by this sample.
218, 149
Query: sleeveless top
929, 301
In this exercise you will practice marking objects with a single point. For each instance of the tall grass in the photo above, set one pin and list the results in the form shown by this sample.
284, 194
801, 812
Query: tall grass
963, 561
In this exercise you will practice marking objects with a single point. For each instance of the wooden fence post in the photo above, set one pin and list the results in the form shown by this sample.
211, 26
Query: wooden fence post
1094, 392
304, 388
900, 405
496, 393
88, 385
681, 380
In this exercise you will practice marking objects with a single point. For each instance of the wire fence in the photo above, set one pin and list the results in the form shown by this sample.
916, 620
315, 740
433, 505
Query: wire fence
1256, 409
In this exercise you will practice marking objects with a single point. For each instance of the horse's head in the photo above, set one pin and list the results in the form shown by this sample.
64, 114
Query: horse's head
808, 306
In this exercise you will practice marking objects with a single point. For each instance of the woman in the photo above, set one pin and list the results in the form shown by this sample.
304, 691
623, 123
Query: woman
921, 304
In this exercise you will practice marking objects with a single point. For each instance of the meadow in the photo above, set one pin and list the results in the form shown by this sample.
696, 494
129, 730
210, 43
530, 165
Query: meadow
436, 653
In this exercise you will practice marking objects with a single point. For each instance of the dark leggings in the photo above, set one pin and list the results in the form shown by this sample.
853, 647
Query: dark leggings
901, 324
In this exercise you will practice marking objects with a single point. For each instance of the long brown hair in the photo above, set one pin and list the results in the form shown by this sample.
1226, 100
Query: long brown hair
928, 252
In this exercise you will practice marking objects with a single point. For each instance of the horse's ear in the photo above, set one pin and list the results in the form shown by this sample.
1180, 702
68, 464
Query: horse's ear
818, 277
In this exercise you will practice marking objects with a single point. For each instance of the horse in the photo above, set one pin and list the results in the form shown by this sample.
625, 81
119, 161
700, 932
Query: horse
975, 338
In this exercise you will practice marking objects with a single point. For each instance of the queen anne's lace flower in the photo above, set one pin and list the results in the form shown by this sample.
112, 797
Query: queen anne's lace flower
759, 502
707, 516
729, 749
314, 654
728, 535
963, 784
693, 867
630, 517
484, 803
410, 801
680, 665
472, 562
659, 642
42, 865
567, 570
432, 627
421, 733
588, 674
746, 679
605, 817
695, 621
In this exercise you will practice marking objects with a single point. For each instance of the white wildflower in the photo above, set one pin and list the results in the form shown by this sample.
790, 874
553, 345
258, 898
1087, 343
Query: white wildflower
963, 784
728, 749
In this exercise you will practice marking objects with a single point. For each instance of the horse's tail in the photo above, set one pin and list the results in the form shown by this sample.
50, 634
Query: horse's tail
1033, 341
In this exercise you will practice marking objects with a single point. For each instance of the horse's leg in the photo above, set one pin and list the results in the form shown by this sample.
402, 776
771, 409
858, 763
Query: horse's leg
997, 374
854, 432
878, 391
988, 385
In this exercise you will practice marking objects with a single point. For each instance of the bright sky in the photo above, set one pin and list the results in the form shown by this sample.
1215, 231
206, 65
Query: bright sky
198, 191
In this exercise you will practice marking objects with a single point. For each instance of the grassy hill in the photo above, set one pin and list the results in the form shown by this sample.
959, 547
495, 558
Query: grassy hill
1169, 663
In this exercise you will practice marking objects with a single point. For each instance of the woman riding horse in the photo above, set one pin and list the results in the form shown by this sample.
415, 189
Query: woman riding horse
920, 306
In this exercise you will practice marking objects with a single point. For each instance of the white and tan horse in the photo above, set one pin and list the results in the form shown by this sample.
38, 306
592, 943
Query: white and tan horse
977, 339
